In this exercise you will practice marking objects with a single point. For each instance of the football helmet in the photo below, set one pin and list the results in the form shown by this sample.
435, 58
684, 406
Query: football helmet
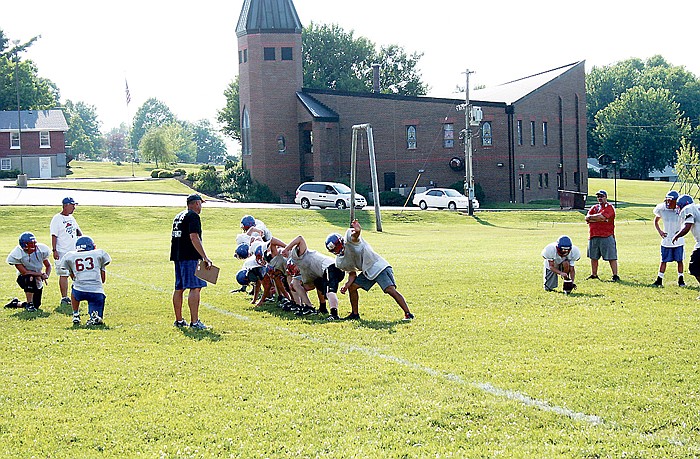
27, 240
564, 245
292, 268
84, 243
247, 222
683, 201
242, 251
335, 243
670, 200
242, 277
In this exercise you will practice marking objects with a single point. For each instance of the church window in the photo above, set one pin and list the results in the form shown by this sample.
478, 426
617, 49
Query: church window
411, 142
448, 135
486, 137
245, 133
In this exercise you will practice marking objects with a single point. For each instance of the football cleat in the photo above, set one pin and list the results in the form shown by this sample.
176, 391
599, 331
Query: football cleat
94, 319
14, 303
76, 318
198, 325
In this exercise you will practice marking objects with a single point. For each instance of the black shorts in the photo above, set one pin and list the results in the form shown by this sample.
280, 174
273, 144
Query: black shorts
256, 274
332, 277
694, 266
28, 283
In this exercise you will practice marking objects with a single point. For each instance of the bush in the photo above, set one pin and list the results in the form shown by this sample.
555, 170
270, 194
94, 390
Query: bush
179, 172
391, 198
165, 174
9, 174
155, 172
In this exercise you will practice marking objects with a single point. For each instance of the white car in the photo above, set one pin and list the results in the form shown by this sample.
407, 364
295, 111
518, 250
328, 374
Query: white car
327, 194
443, 198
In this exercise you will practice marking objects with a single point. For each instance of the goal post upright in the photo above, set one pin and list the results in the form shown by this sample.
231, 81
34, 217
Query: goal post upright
373, 172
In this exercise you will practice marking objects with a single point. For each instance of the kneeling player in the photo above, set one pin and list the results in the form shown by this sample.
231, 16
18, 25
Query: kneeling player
86, 266
30, 258
559, 259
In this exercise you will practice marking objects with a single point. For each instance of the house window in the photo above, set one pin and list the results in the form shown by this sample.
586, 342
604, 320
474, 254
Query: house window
546, 180
5, 164
540, 181
448, 135
544, 133
287, 53
245, 133
520, 182
14, 140
532, 133
269, 54
240, 56
520, 132
486, 138
44, 139
527, 181
411, 141
245, 55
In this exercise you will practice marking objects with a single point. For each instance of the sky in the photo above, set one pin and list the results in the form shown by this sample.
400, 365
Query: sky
185, 53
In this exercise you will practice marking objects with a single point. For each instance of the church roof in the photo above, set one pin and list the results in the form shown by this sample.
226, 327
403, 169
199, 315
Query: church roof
319, 111
34, 120
268, 16
515, 90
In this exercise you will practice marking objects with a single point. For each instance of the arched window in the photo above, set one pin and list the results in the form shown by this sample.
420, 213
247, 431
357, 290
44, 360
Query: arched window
486, 137
245, 132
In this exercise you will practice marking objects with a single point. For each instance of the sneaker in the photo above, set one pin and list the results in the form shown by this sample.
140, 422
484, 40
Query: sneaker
94, 320
76, 318
681, 282
352, 316
322, 309
14, 303
333, 315
198, 325
180, 323
65, 301
615, 278
30, 307
592, 276
409, 316
306, 311
658, 282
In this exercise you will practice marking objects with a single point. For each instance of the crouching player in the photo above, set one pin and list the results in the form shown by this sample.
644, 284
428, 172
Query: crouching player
559, 258
30, 258
86, 266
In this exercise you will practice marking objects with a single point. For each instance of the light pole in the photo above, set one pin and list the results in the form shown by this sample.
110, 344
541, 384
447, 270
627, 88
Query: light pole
614, 163
19, 113
469, 176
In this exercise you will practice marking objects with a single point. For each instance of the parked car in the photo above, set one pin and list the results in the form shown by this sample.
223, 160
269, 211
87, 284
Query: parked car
443, 198
327, 194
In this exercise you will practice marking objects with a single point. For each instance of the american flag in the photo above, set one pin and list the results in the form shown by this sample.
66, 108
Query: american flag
128, 94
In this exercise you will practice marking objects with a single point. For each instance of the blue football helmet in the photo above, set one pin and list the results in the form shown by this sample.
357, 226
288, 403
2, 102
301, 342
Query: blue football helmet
564, 245
335, 243
247, 222
670, 199
683, 201
259, 250
242, 251
242, 277
84, 243
26, 239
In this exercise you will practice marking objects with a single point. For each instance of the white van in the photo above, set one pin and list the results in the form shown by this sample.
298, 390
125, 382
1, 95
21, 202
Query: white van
327, 194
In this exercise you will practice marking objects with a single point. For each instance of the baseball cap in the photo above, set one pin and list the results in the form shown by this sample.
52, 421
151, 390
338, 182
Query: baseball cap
601, 193
67, 201
194, 197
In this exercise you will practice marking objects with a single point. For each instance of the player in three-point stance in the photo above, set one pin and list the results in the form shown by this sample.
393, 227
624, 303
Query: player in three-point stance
86, 266
559, 259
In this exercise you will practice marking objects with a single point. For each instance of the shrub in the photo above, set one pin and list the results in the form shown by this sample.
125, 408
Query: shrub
165, 174
391, 198
178, 172
9, 174
155, 172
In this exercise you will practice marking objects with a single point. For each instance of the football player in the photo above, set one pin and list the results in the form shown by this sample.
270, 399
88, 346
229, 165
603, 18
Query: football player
670, 251
559, 260
86, 266
31, 259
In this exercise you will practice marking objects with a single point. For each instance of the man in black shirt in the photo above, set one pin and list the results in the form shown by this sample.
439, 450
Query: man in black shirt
186, 250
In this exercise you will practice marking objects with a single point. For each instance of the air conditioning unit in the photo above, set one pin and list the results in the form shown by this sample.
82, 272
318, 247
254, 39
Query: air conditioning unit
477, 116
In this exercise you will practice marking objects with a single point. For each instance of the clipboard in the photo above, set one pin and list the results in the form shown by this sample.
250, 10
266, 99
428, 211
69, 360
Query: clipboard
210, 275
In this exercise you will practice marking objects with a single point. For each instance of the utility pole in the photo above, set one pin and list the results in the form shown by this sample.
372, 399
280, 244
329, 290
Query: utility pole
19, 113
469, 176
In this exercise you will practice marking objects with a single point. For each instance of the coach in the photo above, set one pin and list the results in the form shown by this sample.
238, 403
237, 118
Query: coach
601, 235
186, 249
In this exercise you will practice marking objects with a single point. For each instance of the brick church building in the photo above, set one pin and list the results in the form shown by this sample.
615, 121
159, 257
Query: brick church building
529, 145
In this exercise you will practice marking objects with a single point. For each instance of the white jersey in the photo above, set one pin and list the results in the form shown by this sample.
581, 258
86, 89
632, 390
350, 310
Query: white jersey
550, 253
33, 262
359, 256
86, 268
311, 264
691, 214
250, 263
65, 228
672, 224
267, 234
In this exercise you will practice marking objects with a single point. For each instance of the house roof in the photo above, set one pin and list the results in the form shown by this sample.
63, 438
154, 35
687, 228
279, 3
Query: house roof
319, 111
268, 16
34, 120
515, 90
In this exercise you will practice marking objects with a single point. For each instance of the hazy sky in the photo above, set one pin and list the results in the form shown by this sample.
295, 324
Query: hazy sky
184, 53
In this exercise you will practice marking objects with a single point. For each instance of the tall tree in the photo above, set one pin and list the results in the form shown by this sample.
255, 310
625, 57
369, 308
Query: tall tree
230, 115
152, 113
642, 128
154, 146
180, 142
83, 136
117, 143
211, 148
35, 92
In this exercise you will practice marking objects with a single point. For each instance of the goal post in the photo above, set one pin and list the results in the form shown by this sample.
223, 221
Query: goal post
356, 130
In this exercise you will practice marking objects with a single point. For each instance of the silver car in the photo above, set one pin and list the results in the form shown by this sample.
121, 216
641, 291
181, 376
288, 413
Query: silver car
443, 198
327, 194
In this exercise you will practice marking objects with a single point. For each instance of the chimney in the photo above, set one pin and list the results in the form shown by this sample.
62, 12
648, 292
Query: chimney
376, 86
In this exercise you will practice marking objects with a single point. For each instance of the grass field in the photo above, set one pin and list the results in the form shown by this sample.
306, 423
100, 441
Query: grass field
99, 169
492, 366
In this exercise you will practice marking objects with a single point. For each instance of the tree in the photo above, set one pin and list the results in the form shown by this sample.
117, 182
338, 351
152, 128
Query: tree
688, 162
179, 141
642, 128
211, 148
152, 113
117, 143
154, 146
35, 93
335, 59
230, 115
83, 136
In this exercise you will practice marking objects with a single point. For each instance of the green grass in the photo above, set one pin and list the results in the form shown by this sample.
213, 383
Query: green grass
492, 366
99, 169
171, 186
